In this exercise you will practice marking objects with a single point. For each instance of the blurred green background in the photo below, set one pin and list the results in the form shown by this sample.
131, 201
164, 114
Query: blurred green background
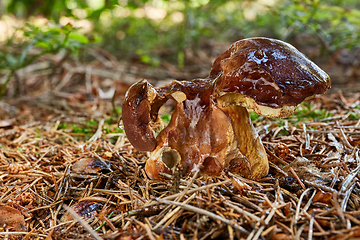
158, 29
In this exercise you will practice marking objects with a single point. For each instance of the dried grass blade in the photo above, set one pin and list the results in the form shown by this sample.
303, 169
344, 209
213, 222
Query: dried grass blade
297, 217
297, 178
346, 198
311, 227
21, 233
344, 136
305, 208
82, 222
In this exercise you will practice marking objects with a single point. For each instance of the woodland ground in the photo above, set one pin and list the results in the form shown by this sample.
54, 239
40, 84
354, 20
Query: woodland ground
60, 146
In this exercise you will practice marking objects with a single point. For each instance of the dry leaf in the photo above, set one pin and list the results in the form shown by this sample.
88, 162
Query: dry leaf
85, 210
11, 217
324, 197
90, 165
6, 123
240, 186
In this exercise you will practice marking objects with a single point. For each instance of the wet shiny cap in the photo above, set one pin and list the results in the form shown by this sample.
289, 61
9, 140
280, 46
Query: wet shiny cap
268, 73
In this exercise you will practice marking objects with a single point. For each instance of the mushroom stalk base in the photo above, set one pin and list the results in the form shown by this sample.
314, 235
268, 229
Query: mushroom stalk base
249, 142
163, 159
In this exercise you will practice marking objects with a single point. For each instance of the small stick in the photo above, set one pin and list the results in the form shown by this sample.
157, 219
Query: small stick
182, 194
146, 227
60, 224
352, 218
338, 208
328, 131
299, 231
256, 218
23, 233
282, 225
318, 226
178, 198
297, 178
21, 190
348, 127
204, 212
267, 220
346, 198
268, 230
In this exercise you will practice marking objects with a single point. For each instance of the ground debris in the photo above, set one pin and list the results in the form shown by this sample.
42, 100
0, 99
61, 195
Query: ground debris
312, 189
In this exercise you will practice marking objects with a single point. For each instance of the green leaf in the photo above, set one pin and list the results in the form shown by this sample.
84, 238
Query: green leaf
78, 37
166, 117
96, 38
11, 60
23, 55
253, 116
42, 44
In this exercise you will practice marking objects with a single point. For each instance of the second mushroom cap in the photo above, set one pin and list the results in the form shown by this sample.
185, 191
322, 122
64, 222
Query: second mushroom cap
269, 76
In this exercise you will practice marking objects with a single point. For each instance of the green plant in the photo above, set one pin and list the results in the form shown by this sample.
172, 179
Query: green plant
56, 8
166, 118
305, 113
354, 116
335, 24
254, 116
49, 41
82, 129
130, 30
62, 126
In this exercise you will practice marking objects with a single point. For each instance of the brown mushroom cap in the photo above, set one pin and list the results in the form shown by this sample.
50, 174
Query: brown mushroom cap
268, 76
137, 117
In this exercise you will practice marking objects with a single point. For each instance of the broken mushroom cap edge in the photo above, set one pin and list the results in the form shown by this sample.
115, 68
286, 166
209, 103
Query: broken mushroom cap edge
136, 116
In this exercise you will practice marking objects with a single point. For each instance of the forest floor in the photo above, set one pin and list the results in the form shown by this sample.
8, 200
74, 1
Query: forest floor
60, 147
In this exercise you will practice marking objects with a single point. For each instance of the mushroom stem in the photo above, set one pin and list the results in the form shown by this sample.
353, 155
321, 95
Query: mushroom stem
249, 142
162, 159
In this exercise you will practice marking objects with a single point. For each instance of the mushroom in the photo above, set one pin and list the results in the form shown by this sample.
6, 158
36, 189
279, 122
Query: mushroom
139, 115
210, 128
269, 77
199, 135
